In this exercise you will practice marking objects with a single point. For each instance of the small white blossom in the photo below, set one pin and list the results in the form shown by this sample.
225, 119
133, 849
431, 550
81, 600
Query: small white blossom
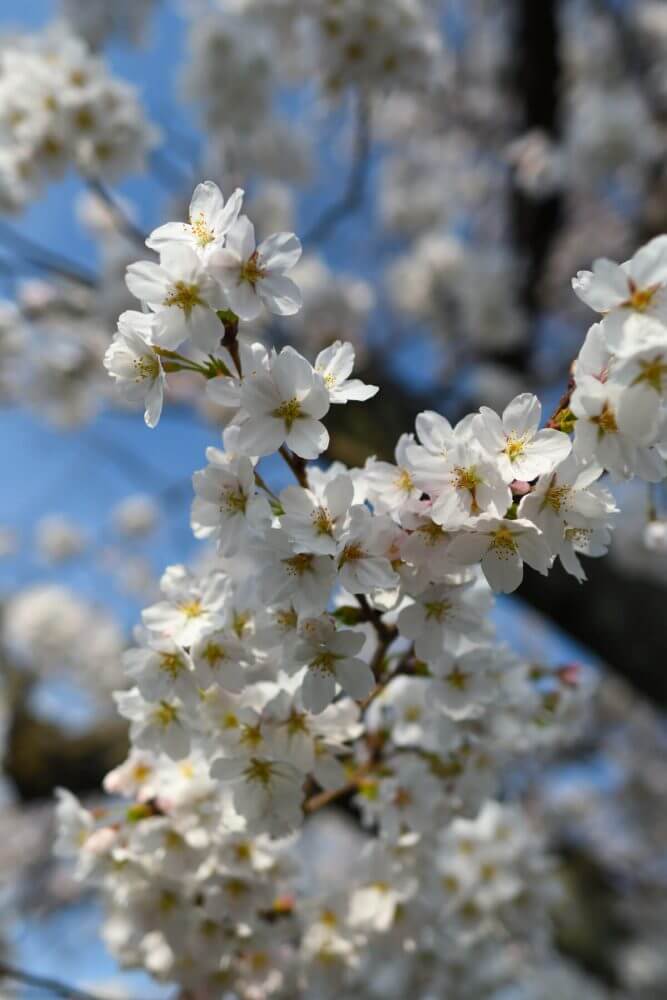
253, 276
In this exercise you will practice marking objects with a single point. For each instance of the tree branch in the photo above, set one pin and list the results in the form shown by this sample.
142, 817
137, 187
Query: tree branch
45, 259
355, 188
46, 983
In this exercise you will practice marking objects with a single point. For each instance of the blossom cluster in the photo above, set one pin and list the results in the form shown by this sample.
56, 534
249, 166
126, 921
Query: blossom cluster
338, 644
59, 107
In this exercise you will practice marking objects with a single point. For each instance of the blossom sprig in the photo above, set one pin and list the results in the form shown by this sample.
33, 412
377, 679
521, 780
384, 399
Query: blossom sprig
338, 648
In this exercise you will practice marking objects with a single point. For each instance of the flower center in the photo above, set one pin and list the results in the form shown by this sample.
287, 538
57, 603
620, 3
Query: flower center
556, 497
351, 553
605, 421
213, 654
515, 447
184, 297
468, 480
192, 609
299, 564
203, 234
432, 533
457, 679
640, 298
437, 610
404, 481
324, 662
147, 366
165, 714
289, 411
233, 501
172, 664
259, 770
654, 373
251, 270
322, 521
504, 542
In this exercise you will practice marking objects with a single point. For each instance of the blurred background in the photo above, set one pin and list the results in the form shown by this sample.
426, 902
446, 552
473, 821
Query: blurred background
448, 174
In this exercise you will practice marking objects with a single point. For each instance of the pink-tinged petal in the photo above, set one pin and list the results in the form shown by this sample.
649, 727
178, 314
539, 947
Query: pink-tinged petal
280, 252
308, 438
280, 295
522, 415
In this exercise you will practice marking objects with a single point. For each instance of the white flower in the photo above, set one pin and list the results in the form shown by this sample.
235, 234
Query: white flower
161, 669
521, 450
254, 275
193, 607
330, 659
389, 486
467, 682
220, 658
284, 406
564, 497
134, 364
267, 793
300, 578
618, 290
314, 519
335, 364
591, 540
227, 506
210, 221
643, 375
362, 565
599, 436
466, 483
182, 295
502, 546
161, 727
440, 616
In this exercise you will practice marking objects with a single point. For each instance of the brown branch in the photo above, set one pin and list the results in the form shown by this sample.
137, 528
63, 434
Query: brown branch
296, 464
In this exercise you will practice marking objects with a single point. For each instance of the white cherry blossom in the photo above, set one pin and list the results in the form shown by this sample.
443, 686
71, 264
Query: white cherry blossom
253, 275
210, 221
521, 450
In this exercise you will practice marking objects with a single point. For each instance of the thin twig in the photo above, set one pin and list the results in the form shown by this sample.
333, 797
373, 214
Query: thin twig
122, 220
296, 464
353, 195
54, 986
44, 258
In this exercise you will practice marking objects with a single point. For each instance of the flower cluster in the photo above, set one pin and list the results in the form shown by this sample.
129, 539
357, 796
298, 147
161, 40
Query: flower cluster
338, 646
60, 107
